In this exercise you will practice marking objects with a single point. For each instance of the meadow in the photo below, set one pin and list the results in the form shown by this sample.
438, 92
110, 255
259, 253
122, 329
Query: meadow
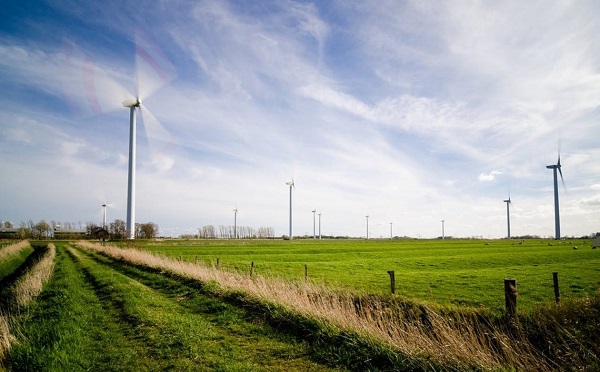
85, 306
442, 272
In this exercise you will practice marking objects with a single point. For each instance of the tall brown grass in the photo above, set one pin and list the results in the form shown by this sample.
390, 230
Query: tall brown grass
13, 249
6, 338
30, 284
463, 339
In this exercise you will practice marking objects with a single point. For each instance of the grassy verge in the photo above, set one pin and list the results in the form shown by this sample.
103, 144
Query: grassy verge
11, 257
18, 296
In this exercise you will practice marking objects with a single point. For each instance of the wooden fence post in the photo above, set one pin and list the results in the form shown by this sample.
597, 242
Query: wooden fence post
556, 291
510, 297
305, 273
251, 268
392, 281
196, 260
217, 262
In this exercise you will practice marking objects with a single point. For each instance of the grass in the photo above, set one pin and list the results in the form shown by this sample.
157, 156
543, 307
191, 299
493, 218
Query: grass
11, 263
142, 321
448, 272
20, 293
129, 309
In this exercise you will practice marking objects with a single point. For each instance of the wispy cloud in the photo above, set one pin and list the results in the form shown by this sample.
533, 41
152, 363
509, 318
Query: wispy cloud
410, 111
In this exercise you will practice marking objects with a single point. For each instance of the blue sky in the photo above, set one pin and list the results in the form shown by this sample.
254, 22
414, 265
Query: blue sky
411, 112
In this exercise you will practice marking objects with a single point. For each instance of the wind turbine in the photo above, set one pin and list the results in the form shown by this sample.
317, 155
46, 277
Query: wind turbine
507, 201
153, 62
367, 216
104, 215
291, 184
554, 168
319, 225
443, 229
314, 224
235, 212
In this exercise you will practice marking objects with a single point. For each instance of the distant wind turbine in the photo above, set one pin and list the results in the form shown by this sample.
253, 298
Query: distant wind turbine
319, 225
235, 212
104, 207
443, 229
367, 216
104, 216
291, 184
554, 168
507, 201
314, 224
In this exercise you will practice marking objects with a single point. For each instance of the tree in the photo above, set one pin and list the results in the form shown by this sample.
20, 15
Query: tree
8, 225
90, 227
207, 232
41, 230
23, 233
147, 230
117, 229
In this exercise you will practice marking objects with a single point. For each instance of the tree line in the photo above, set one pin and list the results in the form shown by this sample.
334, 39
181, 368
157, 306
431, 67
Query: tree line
72, 230
117, 230
230, 232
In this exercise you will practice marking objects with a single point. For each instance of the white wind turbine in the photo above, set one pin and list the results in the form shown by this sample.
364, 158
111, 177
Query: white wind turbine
508, 201
554, 168
148, 62
291, 184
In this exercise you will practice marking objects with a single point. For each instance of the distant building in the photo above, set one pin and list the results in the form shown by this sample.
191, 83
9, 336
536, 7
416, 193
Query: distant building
596, 242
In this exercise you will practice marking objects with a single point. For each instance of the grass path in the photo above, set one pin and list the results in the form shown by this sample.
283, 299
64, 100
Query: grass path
98, 314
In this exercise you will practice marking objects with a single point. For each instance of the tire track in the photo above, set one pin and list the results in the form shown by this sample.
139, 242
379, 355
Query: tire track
121, 328
183, 327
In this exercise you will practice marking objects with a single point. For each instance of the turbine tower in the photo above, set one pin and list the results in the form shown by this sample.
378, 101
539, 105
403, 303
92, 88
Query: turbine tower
367, 216
132, 104
507, 201
235, 212
443, 229
554, 168
291, 184
104, 216
314, 228
319, 225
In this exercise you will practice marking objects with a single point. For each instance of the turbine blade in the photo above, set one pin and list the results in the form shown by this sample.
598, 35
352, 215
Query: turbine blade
160, 141
152, 68
89, 88
561, 177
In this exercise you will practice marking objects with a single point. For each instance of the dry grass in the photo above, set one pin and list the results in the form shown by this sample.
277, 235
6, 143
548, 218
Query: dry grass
463, 340
13, 249
30, 285
25, 289
6, 338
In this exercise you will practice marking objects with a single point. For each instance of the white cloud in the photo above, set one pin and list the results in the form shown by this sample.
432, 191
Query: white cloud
488, 177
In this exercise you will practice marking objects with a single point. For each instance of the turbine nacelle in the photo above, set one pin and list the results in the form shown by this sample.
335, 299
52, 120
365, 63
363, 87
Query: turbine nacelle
133, 102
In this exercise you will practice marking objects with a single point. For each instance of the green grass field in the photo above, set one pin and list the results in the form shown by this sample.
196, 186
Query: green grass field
466, 272
105, 308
